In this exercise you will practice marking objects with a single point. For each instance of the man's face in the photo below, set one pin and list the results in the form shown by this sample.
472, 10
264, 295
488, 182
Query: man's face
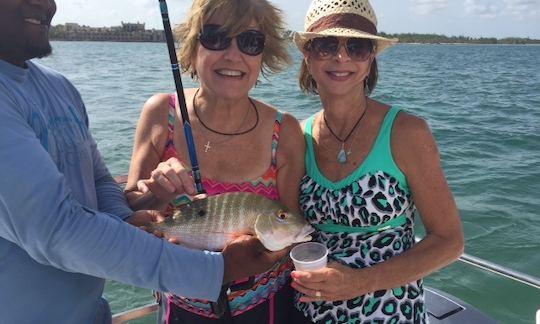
24, 29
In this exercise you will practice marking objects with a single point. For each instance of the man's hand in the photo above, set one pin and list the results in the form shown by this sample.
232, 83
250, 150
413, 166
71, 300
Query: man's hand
246, 256
142, 218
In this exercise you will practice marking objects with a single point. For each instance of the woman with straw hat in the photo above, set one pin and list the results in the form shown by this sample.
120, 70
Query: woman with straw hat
369, 167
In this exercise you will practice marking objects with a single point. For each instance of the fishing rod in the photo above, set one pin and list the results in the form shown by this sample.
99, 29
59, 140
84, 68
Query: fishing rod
181, 98
221, 307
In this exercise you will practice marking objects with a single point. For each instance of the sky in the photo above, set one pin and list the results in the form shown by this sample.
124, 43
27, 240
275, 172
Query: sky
474, 18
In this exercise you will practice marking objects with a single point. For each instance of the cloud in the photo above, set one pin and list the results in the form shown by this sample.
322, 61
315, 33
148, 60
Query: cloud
425, 7
482, 8
517, 8
144, 3
521, 8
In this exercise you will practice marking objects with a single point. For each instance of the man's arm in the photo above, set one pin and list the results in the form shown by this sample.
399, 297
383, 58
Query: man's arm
110, 196
39, 214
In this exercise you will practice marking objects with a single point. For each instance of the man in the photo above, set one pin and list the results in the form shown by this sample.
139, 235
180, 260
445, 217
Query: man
58, 235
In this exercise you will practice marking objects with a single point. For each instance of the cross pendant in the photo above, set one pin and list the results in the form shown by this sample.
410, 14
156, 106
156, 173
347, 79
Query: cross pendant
207, 147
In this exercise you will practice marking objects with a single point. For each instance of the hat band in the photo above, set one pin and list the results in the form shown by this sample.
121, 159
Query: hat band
343, 20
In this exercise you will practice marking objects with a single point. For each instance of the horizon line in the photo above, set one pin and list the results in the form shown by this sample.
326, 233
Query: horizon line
380, 32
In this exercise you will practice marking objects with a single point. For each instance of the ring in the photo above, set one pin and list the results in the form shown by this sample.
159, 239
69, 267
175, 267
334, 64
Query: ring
318, 294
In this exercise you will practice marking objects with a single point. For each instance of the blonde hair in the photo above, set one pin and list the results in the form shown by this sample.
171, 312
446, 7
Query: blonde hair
240, 14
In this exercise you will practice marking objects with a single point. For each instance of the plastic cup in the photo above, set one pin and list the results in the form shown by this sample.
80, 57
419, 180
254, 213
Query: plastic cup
309, 256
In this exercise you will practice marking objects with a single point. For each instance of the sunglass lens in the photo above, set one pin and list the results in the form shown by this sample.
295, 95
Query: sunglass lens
358, 48
251, 42
214, 39
324, 47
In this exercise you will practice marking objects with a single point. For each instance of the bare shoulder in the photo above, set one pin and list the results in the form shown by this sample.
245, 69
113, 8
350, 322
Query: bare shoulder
291, 138
411, 130
152, 126
413, 143
292, 145
156, 107
303, 124
289, 124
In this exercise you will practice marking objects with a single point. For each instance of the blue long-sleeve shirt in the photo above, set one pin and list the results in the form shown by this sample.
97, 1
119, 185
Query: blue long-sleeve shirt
58, 235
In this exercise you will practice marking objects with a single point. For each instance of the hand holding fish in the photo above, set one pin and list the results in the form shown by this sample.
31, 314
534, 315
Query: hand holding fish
210, 223
246, 256
332, 283
167, 180
143, 218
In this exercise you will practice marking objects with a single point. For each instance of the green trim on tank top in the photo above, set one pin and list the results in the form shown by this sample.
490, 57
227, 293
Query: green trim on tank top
373, 163
336, 228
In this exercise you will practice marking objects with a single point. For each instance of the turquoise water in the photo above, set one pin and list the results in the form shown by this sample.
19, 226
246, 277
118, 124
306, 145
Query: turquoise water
482, 103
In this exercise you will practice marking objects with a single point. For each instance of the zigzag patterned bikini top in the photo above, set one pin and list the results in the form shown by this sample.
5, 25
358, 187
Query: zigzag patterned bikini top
265, 285
264, 185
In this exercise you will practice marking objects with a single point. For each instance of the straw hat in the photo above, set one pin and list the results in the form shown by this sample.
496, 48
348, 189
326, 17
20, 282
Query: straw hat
342, 18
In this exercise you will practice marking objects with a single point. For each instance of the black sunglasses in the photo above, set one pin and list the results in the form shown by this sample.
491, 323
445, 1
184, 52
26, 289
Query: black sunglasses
358, 49
250, 42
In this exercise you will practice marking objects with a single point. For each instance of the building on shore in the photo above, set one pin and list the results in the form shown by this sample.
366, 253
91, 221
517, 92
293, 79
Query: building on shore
127, 32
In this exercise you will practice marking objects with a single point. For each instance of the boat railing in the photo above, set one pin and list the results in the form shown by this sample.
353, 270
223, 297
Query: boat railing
135, 313
501, 271
498, 269
465, 258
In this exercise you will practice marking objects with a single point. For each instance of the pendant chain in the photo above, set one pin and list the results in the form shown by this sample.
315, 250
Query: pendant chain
342, 154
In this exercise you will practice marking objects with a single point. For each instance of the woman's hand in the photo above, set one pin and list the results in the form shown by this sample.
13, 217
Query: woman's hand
335, 282
168, 180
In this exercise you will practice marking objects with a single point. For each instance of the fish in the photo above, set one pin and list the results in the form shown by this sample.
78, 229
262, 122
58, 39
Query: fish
211, 222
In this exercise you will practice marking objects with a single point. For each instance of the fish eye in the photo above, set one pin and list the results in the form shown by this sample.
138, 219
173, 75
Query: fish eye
282, 214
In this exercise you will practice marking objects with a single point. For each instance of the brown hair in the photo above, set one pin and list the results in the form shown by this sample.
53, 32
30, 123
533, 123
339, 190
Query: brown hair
309, 85
241, 13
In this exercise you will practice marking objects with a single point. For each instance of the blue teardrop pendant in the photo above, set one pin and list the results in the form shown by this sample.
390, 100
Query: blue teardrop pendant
342, 155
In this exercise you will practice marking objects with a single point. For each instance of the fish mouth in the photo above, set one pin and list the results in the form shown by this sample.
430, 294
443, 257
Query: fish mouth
275, 245
304, 234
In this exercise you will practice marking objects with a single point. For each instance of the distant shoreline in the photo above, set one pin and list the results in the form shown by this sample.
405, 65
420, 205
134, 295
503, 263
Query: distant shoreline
136, 32
412, 38
126, 32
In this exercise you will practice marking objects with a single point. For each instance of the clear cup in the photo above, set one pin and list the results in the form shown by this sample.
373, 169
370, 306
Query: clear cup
309, 256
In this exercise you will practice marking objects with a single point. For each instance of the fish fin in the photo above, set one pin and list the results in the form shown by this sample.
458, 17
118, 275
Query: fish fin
181, 200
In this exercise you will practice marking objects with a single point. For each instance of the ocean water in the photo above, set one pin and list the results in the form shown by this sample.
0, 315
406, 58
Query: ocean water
481, 101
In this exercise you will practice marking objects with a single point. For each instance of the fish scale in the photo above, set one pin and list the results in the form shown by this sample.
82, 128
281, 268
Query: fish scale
211, 222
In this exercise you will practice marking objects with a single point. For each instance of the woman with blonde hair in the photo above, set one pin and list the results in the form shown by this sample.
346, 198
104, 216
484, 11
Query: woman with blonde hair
225, 45
369, 168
